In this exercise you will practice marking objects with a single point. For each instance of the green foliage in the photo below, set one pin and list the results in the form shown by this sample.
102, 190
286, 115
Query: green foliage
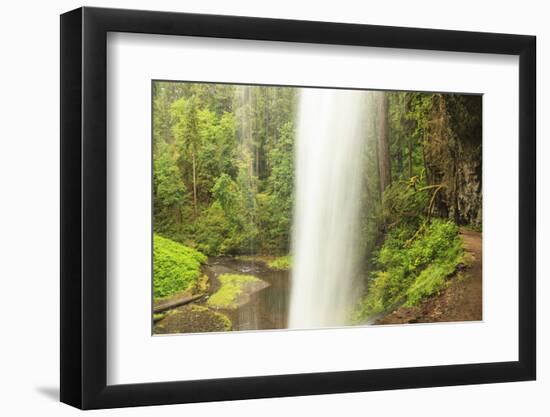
223, 166
226, 192
223, 179
226, 226
175, 267
435, 147
280, 185
409, 118
185, 129
213, 230
412, 265
231, 286
282, 263
218, 150
405, 201
169, 192
430, 281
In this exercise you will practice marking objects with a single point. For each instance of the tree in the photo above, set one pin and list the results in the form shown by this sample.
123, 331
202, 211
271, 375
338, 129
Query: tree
169, 191
383, 142
187, 136
280, 188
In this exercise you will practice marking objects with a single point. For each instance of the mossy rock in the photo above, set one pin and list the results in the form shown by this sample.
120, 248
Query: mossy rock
282, 263
235, 290
192, 318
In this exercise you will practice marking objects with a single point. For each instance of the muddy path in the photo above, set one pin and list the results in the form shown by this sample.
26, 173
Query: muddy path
460, 301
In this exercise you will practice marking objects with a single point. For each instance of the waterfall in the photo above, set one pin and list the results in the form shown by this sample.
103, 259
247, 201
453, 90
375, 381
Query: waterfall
329, 176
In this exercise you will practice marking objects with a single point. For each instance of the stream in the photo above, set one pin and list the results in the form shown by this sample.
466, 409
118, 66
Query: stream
267, 308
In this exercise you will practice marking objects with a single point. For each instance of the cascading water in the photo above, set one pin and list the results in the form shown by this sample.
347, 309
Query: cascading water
329, 175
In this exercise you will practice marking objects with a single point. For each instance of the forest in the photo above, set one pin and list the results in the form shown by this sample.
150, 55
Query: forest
224, 208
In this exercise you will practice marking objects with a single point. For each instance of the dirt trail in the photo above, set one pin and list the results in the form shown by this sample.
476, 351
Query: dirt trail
460, 301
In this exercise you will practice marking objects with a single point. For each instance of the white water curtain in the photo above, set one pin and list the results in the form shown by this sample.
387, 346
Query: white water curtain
329, 175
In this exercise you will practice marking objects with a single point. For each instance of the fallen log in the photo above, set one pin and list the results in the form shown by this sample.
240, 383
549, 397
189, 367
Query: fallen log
168, 305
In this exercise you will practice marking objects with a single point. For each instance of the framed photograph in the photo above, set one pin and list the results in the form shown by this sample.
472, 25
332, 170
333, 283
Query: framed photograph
257, 208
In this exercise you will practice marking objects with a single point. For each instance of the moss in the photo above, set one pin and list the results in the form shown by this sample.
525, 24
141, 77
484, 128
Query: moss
225, 322
192, 318
176, 267
201, 286
282, 263
158, 316
229, 291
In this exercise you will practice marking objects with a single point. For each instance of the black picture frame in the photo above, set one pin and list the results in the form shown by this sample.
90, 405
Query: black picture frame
84, 207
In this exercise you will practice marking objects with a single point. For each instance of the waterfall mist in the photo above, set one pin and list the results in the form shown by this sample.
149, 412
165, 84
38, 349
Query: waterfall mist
329, 162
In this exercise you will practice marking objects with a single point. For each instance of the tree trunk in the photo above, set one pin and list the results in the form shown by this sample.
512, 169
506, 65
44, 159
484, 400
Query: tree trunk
425, 161
383, 143
258, 158
410, 157
194, 185
399, 155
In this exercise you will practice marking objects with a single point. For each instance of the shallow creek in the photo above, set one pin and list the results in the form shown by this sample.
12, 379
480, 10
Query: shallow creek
267, 308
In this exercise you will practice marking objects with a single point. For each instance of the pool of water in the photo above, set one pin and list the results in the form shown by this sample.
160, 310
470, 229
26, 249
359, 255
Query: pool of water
268, 308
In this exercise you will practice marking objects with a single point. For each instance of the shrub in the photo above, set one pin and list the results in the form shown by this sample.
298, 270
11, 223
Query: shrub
213, 229
175, 267
412, 265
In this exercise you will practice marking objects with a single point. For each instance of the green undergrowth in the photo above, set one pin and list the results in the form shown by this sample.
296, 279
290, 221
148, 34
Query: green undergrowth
282, 263
412, 264
175, 267
229, 291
